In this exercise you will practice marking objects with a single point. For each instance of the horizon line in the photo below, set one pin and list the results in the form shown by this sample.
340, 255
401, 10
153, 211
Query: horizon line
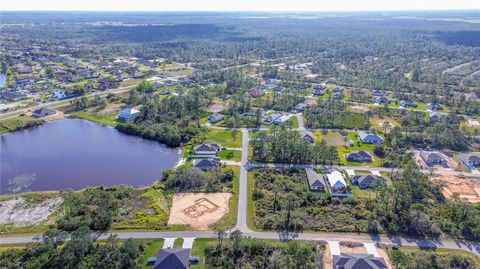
238, 11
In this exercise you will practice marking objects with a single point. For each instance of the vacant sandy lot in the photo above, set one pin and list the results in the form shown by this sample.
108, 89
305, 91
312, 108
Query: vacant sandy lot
465, 188
473, 123
199, 210
335, 139
358, 108
14, 212
352, 248
215, 108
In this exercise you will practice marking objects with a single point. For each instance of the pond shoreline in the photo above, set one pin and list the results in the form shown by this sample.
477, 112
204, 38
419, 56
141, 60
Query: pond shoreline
162, 161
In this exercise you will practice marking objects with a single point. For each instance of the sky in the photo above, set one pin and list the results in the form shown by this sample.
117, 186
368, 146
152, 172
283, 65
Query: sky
238, 5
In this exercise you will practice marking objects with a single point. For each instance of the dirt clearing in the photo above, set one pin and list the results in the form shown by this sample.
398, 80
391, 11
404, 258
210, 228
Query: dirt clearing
15, 212
465, 188
199, 210
335, 139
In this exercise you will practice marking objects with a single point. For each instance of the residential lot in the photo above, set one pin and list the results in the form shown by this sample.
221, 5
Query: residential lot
466, 188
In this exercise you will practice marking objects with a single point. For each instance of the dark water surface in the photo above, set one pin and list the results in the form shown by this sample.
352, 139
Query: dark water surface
74, 153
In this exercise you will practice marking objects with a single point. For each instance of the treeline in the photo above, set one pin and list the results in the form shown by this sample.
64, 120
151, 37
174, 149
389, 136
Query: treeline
417, 130
424, 259
333, 114
240, 252
413, 205
195, 180
284, 202
172, 121
284, 146
84, 217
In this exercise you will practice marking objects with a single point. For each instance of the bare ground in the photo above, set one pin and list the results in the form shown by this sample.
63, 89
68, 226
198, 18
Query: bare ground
15, 212
199, 210
465, 188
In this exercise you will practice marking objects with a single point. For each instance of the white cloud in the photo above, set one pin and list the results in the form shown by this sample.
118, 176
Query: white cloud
238, 5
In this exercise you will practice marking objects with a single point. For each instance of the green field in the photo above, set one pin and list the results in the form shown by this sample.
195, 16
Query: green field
230, 220
230, 155
21, 122
104, 120
224, 138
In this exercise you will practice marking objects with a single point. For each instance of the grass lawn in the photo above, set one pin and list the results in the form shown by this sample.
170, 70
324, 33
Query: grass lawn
342, 151
438, 251
13, 124
362, 172
224, 138
318, 136
131, 82
151, 251
104, 120
294, 121
198, 250
359, 193
230, 155
230, 220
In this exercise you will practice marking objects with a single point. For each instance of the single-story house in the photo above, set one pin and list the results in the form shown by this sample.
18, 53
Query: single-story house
12, 96
256, 92
367, 181
128, 114
300, 107
473, 160
369, 138
281, 119
359, 156
336, 180
358, 261
319, 87
271, 118
434, 106
378, 93
433, 158
338, 89
310, 137
42, 112
317, 92
337, 95
435, 117
172, 258
215, 118
206, 164
59, 95
407, 103
315, 181
207, 149
165, 92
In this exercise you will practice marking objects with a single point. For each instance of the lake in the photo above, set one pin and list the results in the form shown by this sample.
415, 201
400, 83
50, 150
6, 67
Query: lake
73, 153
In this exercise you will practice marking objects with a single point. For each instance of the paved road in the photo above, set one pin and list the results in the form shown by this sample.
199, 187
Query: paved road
471, 247
242, 196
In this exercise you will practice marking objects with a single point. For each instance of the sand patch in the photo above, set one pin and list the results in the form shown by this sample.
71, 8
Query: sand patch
199, 210
215, 108
352, 247
13, 212
463, 187
473, 123
358, 109
335, 139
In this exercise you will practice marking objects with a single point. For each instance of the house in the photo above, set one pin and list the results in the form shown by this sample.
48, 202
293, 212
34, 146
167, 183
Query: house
369, 138
317, 92
128, 114
315, 181
215, 118
256, 92
281, 119
165, 92
271, 118
42, 112
172, 258
207, 149
279, 88
331, 80
407, 103
300, 107
433, 158
206, 164
59, 95
337, 95
310, 137
359, 156
434, 106
358, 261
367, 181
159, 85
12, 96
338, 89
320, 87
336, 180
473, 160
378, 93
435, 117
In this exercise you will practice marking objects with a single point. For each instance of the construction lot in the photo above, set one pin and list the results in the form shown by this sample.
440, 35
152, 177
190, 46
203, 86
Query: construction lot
466, 188
335, 248
198, 210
